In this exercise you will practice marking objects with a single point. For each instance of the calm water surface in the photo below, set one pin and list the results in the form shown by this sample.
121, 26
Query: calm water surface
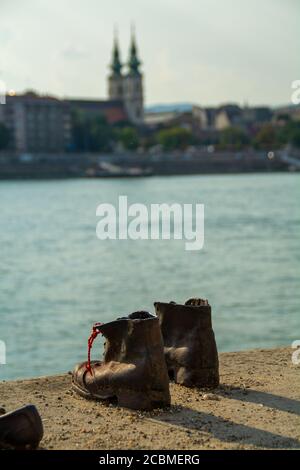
57, 278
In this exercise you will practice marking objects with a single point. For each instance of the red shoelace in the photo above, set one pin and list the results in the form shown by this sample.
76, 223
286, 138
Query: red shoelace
95, 332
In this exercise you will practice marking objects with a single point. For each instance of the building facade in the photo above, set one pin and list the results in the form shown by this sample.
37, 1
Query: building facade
36, 123
113, 110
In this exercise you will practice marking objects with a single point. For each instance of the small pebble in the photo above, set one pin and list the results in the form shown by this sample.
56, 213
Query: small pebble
211, 396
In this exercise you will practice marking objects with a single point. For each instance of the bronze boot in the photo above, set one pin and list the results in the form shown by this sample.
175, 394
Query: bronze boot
189, 343
133, 369
21, 428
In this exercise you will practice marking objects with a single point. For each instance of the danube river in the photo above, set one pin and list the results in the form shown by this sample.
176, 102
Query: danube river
57, 278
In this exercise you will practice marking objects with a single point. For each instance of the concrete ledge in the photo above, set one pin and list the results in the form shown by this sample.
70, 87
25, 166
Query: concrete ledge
257, 406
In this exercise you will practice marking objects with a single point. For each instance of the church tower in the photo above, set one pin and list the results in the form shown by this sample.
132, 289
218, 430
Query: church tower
133, 86
115, 80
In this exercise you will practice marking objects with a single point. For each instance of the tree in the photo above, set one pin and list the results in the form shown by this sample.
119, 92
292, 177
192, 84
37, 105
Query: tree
233, 138
4, 136
174, 138
267, 137
129, 138
101, 134
295, 134
290, 134
91, 134
80, 136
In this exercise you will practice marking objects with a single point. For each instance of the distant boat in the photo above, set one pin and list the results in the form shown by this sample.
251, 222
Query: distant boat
109, 170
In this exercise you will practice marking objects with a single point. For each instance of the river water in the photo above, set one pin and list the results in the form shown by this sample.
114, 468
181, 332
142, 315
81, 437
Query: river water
57, 278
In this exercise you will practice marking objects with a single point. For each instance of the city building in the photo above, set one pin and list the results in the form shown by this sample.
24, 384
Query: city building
39, 123
286, 113
205, 118
229, 115
36, 123
113, 110
154, 120
247, 118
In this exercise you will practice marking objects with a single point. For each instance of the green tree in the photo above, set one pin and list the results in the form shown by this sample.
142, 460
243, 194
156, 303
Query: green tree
174, 138
101, 134
267, 137
295, 135
290, 134
129, 138
91, 134
233, 138
4, 136
79, 131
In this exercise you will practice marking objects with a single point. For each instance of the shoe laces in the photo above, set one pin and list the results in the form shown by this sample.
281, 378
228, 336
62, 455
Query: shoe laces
95, 332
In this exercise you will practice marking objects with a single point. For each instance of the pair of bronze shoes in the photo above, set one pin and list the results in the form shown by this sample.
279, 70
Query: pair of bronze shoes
143, 352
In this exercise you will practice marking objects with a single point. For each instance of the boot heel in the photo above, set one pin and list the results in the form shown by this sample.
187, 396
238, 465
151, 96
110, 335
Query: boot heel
142, 400
201, 378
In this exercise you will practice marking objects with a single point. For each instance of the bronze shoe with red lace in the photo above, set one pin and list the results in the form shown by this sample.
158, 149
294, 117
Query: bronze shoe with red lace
133, 369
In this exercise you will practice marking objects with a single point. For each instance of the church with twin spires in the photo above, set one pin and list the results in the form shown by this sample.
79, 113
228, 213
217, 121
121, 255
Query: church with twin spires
125, 82
26, 115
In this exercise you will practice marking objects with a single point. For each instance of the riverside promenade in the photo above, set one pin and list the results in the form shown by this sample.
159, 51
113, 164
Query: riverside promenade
72, 165
257, 406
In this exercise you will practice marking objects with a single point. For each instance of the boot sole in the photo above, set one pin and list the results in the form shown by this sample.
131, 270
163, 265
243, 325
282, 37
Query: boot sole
135, 400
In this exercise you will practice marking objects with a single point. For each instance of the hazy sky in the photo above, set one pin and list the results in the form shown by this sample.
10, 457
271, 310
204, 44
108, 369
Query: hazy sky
201, 51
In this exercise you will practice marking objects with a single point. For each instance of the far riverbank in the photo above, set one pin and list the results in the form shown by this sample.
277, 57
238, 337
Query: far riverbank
72, 165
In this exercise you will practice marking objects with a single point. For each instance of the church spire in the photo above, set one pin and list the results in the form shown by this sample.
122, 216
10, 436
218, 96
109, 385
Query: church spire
116, 65
133, 62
